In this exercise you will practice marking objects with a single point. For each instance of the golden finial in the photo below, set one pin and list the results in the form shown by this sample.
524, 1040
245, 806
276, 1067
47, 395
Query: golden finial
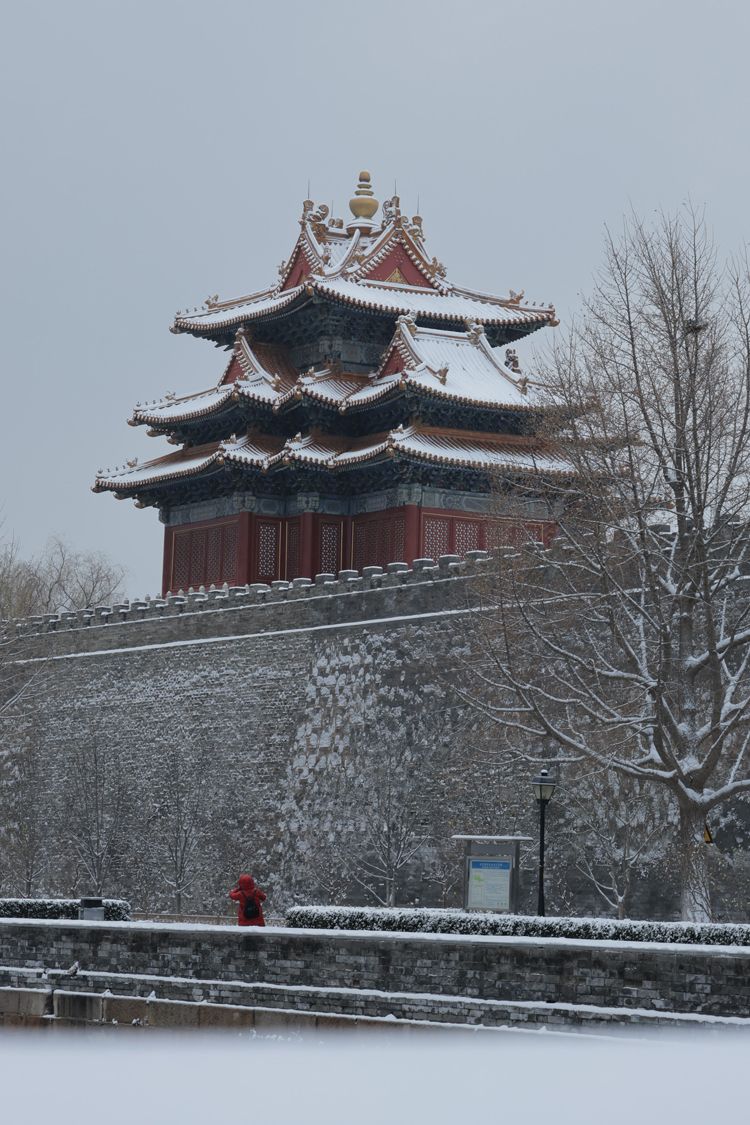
364, 204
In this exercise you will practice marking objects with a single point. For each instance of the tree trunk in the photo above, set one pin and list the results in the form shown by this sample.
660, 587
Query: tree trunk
696, 893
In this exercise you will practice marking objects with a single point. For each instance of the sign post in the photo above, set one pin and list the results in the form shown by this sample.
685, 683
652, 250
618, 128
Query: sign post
491, 870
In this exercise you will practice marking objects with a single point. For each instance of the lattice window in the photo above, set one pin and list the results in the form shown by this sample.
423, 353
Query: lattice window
231, 553
198, 558
180, 561
373, 543
368, 543
379, 540
292, 550
468, 534
499, 533
268, 550
503, 533
329, 548
213, 556
398, 542
436, 533
360, 544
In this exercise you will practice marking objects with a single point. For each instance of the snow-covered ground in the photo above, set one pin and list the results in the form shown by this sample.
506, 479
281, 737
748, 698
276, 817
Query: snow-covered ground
527, 1078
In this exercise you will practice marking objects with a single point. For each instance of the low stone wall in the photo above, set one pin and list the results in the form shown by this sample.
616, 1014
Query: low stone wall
214, 963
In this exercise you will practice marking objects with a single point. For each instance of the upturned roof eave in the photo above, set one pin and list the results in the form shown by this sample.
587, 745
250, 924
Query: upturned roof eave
495, 315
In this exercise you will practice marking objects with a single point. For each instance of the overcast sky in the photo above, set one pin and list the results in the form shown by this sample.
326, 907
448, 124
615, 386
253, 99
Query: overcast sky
157, 152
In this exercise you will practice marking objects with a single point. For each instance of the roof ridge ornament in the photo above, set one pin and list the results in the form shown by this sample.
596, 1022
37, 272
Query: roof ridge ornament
363, 204
407, 323
391, 211
474, 331
317, 220
511, 360
435, 268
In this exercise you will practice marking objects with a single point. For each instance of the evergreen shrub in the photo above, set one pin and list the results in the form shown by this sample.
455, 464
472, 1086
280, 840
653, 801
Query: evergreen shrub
115, 909
424, 920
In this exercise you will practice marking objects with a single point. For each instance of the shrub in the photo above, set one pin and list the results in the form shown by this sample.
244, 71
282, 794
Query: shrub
115, 909
413, 920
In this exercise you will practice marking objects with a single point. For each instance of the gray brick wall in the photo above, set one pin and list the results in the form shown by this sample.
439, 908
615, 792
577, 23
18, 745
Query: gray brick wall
435, 977
278, 689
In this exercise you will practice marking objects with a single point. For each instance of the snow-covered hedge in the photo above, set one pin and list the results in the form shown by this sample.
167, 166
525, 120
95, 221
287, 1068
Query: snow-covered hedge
115, 909
411, 920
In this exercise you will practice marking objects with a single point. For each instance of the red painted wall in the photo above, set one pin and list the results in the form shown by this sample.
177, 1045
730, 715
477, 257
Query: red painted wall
394, 364
299, 271
399, 259
234, 372
202, 554
256, 548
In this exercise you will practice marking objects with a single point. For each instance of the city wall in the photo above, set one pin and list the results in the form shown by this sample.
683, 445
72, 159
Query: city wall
265, 706
130, 971
283, 687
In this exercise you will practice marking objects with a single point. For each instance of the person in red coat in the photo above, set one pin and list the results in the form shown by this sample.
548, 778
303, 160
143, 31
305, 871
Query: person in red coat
248, 898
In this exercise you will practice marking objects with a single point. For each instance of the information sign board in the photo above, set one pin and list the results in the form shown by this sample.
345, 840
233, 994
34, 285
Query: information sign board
489, 883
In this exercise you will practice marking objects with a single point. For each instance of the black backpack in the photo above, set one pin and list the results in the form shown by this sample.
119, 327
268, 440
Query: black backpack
252, 910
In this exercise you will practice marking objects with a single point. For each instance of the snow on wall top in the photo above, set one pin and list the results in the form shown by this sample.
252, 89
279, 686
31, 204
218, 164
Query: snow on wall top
186, 602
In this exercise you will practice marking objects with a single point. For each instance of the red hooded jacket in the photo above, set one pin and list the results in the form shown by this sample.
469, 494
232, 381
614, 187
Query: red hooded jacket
246, 889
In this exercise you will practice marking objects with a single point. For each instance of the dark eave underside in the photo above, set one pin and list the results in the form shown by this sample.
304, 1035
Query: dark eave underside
302, 414
273, 327
288, 480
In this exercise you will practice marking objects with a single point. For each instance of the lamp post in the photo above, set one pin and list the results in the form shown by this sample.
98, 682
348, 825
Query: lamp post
544, 787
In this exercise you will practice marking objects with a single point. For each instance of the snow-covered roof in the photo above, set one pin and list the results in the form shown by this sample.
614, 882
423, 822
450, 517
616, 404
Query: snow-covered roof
250, 449
399, 299
174, 409
457, 366
463, 449
263, 374
355, 266
460, 448
393, 299
134, 476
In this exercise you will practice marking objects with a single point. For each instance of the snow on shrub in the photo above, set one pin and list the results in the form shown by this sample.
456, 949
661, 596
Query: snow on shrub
115, 909
423, 920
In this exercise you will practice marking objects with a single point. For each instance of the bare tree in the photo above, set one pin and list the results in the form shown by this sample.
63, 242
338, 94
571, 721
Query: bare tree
25, 813
18, 583
97, 807
182, 794
60, 578
386, 793
619, 828
627, 644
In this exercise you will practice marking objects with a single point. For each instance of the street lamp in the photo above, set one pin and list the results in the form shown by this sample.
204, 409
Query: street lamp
544, 787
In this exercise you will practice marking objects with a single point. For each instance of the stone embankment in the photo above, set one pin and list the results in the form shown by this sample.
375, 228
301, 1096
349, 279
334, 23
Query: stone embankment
156, 974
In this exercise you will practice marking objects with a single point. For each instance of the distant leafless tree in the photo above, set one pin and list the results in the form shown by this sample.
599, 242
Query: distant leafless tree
25, 813
96, 818
382, 797
59, 578
618, 829
386, 790
628, 644
182, 797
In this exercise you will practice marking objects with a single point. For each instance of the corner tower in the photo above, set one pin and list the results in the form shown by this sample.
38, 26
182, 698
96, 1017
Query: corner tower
366, 408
